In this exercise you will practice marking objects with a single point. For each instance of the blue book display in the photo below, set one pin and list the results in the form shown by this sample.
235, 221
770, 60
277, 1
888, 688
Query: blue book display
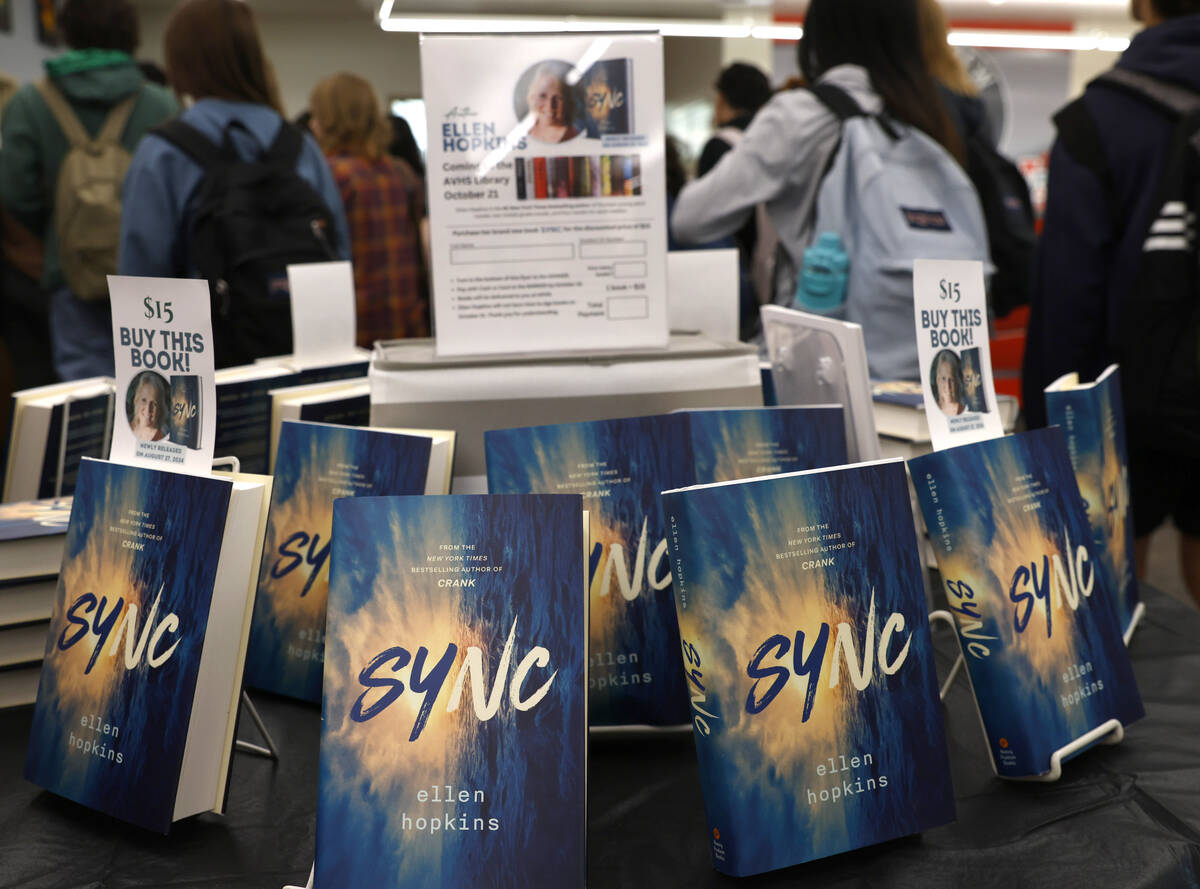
619, 467
454, 723
138, 693
1093, 420
1031, 594
809, 664
315, 465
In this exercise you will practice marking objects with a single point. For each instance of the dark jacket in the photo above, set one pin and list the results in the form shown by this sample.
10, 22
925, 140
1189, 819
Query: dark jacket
1090, 250
34, 145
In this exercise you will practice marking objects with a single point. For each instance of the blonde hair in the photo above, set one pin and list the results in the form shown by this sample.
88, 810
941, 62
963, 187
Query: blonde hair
940, 59
348, 117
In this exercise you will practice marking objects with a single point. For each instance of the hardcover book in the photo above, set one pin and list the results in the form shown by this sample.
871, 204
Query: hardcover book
53, 428
454, 723
31, 539
809, 662
1031, 594
138, 694
620, 466
317, 464
244, 404
1093, 420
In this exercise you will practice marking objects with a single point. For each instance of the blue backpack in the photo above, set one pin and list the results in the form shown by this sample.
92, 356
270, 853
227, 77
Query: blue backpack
892, 195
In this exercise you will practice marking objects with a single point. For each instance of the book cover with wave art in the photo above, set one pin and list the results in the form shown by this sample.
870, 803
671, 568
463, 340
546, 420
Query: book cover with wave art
1031, 595
1093, 420
128, 628
314, 465
814, 699
619, 467
454, 726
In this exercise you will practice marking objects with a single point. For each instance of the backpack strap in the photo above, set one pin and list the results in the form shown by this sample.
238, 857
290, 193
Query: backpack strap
117, 120
61, 109
837, 100
845, 107
1176, 100
194, 144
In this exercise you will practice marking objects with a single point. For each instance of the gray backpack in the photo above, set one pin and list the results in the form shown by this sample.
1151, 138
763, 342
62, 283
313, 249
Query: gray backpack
87, 201
893, 195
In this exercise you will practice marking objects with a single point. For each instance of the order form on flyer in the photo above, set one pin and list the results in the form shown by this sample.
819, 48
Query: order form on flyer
547, 192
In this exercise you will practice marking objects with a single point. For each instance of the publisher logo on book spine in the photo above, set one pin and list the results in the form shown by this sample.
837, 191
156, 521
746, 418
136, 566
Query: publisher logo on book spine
717, 846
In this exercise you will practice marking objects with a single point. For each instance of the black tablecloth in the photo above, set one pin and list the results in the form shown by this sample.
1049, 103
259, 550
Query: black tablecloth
1122, 816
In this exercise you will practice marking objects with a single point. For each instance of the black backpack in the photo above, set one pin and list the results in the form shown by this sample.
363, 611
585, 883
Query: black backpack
1159, 338
1008, 212
251, 219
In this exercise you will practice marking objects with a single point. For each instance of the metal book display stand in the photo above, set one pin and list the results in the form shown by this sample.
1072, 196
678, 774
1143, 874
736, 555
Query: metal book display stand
1110, 732
271, 751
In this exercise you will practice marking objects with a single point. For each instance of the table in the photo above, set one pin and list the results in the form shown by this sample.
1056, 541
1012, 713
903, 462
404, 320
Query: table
1126, 816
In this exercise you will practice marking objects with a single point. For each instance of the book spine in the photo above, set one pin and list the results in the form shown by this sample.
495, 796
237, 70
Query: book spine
540, 186
519, 169
698, 667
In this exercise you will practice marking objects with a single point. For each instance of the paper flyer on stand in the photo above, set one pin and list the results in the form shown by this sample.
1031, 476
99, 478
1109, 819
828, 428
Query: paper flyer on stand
547, 191
323, 312
950, 305
165, 415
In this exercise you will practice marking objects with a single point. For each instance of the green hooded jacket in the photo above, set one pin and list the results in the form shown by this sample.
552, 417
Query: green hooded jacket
32, 146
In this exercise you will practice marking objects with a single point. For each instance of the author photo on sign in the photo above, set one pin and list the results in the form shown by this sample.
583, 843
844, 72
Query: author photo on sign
945, 378
146, 406
543, 91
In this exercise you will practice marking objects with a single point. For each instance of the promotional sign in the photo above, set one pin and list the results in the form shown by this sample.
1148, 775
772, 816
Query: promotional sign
323, 316
952, 347
547, 192
165, 416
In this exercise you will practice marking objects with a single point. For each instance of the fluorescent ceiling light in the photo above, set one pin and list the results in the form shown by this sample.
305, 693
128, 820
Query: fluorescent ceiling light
1034, 40
450, 24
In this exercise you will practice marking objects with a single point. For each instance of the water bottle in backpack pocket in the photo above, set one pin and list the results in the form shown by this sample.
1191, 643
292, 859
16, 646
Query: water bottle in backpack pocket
821, 284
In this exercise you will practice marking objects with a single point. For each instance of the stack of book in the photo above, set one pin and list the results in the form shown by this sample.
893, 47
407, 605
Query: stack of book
244, 403
32, 535
52, 429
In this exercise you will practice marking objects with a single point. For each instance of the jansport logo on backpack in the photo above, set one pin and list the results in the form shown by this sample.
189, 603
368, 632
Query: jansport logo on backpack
251, 219
87, 200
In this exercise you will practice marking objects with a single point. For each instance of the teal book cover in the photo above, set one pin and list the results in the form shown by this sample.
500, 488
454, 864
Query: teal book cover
1092, 418
126, 635
315, 465
620, 467
454, 721
809, 663
1030, 592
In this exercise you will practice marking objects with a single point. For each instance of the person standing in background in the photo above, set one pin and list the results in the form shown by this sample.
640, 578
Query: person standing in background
92, 79
384, 199
214, 56
1104, 196
742, 89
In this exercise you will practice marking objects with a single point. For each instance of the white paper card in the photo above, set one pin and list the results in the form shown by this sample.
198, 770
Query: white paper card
547, 192
702, 287
165, 415
323, 314
950, 305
